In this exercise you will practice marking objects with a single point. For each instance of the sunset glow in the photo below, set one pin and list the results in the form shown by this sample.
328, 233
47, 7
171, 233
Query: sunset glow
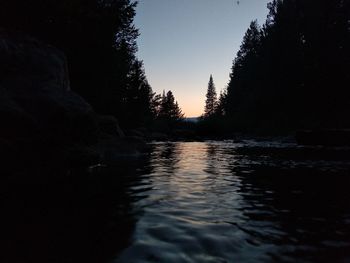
183, 42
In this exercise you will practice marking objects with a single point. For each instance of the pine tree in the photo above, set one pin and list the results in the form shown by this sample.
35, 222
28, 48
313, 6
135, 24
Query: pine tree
138, 96
156, 101
177, 112
211, 101
244, 76
169, 108
221, 104
282, 75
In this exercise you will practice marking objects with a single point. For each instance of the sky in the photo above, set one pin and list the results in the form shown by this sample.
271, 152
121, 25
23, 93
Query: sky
182, 42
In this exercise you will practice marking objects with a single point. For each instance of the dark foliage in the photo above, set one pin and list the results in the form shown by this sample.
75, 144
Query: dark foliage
293, 72
168, 112
99, 40
211, 101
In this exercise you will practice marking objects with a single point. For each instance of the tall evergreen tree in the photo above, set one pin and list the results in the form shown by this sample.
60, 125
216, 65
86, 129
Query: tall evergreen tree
243, 77
211, 99
291, 74
156, 104
169, 108
138, 96
220, 110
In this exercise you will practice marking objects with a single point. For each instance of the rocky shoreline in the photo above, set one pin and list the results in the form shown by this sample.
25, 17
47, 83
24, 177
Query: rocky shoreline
43, 120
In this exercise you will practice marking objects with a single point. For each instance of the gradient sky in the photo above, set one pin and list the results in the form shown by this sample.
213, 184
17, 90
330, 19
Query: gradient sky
182, 42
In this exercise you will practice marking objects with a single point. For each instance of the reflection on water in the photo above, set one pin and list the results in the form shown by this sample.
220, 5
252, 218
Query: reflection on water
51, 214
186, 202
241, 202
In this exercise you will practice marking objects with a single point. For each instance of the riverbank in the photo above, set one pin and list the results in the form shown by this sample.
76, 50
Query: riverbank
42, 119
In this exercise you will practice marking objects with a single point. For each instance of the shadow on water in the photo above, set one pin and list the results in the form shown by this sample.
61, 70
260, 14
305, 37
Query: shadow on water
296, 202
167, 155
212, 166
54, 214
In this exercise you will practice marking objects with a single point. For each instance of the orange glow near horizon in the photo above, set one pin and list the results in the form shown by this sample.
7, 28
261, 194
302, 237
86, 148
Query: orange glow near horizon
188, 92
191, 107
183, 42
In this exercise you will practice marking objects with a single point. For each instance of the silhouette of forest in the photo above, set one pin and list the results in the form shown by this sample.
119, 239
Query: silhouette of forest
99, 40
290, 73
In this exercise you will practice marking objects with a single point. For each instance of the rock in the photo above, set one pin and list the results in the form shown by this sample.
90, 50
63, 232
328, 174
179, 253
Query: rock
113, 150
42, 118
109, 125
136, 133
36, 102
82, 156
158, 136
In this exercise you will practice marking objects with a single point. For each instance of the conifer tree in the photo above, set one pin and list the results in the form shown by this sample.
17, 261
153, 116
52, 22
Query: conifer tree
244, 75
221, 104
282, 74
211, 101
169, 108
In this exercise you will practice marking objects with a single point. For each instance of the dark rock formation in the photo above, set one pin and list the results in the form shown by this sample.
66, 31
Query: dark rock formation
54, 209
40, 115
38, 111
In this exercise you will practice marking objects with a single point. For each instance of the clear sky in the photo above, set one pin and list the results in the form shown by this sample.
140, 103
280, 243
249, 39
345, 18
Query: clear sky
182, 42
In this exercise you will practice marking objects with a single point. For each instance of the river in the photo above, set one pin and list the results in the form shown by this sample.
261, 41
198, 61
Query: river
247, 201
213, 201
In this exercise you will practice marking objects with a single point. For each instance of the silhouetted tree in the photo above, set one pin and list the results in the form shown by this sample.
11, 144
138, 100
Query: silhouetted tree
169, 108
167, 111
291, 73
220, 110
138, 96
243, 77
99, 39
156, 104
211, 101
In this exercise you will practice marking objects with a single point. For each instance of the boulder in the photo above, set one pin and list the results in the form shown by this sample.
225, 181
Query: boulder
43, 119
109, 126
37, 105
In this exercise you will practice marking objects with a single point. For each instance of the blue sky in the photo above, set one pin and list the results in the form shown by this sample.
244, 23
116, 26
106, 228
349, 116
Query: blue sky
182, 42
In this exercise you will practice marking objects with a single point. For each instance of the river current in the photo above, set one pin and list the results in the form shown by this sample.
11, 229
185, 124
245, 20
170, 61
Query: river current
247, 201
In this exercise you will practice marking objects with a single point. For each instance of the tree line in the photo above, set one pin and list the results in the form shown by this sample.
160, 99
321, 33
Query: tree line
99, 40
290, 73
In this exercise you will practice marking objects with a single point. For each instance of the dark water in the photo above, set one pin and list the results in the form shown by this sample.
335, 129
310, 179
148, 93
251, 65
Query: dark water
212, 201
241, 202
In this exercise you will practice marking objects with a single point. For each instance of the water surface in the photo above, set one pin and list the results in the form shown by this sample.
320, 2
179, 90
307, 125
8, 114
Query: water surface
245, 201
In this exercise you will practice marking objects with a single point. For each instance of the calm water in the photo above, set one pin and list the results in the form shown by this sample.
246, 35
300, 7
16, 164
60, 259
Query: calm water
240, 202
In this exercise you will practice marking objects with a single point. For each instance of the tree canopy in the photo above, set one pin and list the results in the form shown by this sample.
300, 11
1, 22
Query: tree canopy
211, 101
99, 40
293, 72
169, 109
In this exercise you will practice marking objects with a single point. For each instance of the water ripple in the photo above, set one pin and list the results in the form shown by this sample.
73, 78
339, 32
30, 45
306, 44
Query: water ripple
248, 201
